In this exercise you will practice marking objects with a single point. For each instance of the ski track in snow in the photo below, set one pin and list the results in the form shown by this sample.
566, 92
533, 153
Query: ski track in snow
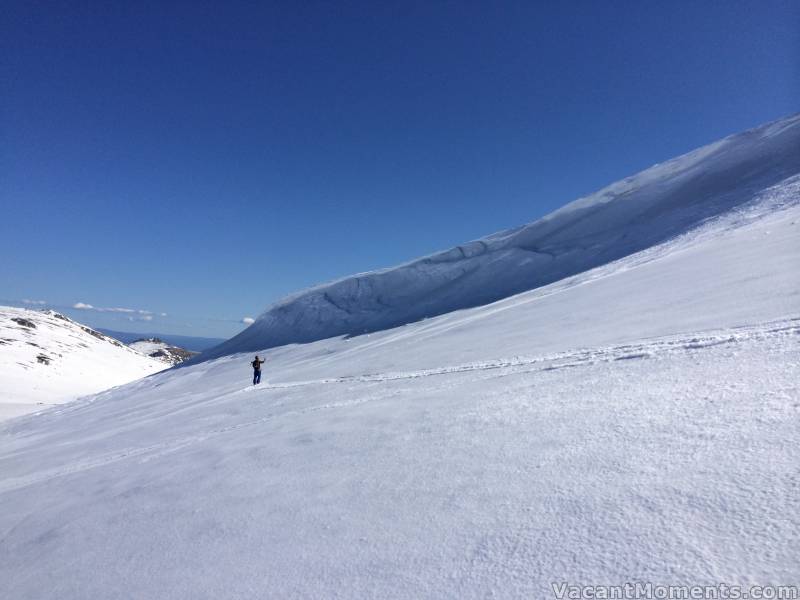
652, 349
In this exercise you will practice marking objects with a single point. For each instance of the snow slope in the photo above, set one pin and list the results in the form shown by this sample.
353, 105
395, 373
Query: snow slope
649, 208
635, 422
46, 358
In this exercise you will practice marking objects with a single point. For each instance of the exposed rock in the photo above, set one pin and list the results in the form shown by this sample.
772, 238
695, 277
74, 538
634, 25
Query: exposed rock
24, 322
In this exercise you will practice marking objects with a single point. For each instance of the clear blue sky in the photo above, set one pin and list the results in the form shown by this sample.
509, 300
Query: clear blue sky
204, 159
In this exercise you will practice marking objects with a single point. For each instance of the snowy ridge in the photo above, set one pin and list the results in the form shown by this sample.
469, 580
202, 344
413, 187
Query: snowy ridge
639, 212
47, 358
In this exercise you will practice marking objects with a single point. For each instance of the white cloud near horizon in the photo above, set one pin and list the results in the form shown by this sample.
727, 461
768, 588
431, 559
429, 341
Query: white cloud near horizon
34, 302
248, 320
130, 311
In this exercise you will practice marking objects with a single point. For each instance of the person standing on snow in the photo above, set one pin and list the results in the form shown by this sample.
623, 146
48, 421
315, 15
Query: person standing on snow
257, 370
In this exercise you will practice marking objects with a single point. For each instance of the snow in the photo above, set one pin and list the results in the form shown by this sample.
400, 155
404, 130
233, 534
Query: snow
158, 349
637, 421
57, 360
657, 205
147, 347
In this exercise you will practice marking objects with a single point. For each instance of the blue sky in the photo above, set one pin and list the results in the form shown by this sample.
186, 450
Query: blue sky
200, 160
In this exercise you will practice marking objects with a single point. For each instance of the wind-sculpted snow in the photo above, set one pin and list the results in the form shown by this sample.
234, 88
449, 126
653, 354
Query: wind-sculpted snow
635, 422
656, 205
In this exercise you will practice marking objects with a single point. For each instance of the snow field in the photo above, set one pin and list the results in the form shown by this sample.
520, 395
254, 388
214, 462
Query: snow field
634, 421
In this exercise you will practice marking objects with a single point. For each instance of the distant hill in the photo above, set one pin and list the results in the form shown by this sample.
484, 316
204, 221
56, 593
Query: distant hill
159, 349
47, 358
191, 343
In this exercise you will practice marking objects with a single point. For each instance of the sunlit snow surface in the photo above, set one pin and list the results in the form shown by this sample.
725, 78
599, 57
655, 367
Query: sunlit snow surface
635, 422
47, 358
147, 347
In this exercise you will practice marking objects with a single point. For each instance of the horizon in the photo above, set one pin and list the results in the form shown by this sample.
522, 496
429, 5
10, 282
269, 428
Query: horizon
195, 166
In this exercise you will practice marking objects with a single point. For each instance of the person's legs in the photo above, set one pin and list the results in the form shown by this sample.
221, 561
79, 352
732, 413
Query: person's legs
256, 377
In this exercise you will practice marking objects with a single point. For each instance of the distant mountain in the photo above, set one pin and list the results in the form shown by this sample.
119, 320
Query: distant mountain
160, 350
191, 343
631, 215
47, 358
